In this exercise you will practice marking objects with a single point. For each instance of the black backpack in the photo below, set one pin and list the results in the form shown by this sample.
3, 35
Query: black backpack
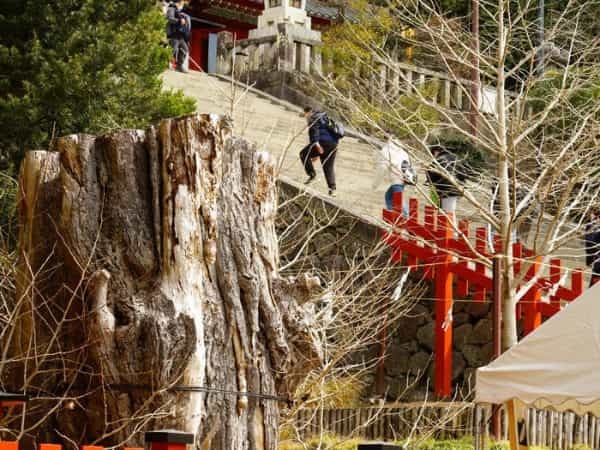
172, 28
334, 127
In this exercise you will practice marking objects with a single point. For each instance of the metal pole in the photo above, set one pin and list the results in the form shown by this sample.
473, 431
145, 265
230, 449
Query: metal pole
497, 330
475, 82
540, 38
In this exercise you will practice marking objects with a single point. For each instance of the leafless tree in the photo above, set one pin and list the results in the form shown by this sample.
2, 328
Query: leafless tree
529, 107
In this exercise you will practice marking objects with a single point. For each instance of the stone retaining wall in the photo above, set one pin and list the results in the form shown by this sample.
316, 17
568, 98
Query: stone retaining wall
346, 237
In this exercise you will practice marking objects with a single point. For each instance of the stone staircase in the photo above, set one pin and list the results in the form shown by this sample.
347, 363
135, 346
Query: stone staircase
277, 126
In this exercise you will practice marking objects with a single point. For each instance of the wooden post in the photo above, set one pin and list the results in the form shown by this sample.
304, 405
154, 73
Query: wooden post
513, 434
443, 311
168, 439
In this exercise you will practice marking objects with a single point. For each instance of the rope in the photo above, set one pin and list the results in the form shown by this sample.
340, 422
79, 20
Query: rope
126, 386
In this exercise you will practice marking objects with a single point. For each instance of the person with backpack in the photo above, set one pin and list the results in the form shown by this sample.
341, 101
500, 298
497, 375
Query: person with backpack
393, 166
447, 190
324, 135
178, 29
185, 28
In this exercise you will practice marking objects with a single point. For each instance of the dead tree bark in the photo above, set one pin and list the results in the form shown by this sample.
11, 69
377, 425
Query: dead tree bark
149, 260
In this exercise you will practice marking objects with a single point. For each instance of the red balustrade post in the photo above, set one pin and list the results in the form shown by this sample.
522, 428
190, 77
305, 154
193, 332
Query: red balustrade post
531, 309
398, 202
577, 283
517, 256
443, 311
9, 445
462, 283
91, 447
555, 276
429, 224
413, 219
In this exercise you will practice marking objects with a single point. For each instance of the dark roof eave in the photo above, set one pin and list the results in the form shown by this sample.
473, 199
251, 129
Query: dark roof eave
316, 9
210, 23
10, 397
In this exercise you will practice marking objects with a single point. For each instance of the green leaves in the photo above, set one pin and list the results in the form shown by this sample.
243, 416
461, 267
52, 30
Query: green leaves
70, 66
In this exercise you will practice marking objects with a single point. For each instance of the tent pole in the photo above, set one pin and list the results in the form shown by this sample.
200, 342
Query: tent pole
513, 434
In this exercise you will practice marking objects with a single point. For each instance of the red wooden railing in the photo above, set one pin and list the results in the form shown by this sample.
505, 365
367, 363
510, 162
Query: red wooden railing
158, 440
431, 245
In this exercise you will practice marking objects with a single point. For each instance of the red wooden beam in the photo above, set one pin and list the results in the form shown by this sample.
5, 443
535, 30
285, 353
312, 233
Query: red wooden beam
443, 312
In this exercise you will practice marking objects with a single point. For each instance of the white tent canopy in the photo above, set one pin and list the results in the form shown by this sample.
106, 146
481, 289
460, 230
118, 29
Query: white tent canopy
556, 366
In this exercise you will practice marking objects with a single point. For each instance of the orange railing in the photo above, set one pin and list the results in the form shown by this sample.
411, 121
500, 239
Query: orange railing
431, 245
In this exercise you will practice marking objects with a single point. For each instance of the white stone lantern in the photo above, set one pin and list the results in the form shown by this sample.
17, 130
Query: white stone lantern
284, 11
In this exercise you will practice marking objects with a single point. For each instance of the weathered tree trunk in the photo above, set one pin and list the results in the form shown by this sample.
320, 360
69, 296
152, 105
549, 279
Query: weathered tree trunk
149, 260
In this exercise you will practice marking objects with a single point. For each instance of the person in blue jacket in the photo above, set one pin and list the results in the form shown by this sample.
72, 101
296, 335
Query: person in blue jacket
323, 144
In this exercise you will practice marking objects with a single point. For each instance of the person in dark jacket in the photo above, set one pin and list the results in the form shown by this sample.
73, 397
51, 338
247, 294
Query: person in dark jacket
592, 246
178, 26
323, 144
446, 190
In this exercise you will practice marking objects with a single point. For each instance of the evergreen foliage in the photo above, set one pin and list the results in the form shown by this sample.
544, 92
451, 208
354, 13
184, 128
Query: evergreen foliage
71, 66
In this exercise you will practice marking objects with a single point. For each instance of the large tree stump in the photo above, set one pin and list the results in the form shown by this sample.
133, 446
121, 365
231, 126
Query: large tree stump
149, 262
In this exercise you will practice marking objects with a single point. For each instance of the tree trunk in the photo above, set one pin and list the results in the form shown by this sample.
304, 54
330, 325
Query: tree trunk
149, 262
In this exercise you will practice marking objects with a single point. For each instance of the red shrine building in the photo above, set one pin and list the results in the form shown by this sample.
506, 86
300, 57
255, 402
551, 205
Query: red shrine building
210, 17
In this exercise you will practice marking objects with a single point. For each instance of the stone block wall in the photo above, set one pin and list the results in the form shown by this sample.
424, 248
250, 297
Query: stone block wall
347, 239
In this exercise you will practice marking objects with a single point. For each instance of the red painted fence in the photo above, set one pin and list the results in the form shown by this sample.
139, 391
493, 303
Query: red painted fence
431, 245
158, 440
